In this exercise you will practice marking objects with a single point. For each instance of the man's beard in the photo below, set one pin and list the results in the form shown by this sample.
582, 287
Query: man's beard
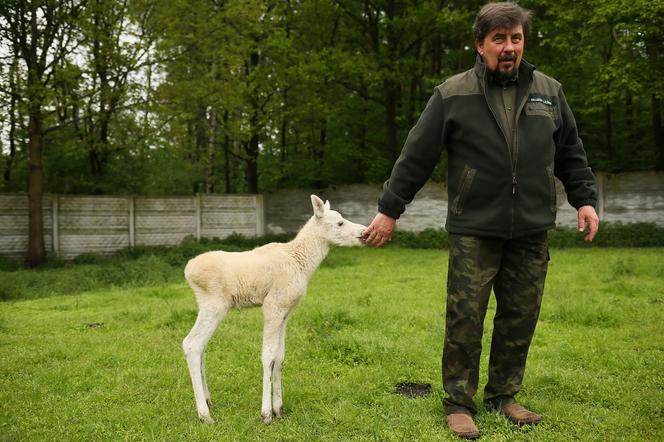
503, 76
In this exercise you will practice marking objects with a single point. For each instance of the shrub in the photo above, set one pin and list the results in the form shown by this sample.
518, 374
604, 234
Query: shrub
9, 265
610, 235
426, 239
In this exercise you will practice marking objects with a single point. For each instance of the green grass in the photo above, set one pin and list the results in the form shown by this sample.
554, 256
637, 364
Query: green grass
105, 363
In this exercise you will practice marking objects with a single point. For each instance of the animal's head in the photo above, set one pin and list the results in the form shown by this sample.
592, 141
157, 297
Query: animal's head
334, 227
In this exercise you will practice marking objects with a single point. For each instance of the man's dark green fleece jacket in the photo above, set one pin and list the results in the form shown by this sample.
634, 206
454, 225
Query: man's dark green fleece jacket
494, 189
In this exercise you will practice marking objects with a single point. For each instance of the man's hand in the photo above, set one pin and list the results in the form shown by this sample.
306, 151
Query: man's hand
588, 217
380, 230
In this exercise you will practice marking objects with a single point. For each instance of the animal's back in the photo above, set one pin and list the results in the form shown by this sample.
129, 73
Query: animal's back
243, 278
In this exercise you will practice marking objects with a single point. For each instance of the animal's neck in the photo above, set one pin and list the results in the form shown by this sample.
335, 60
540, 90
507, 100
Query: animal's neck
309, 248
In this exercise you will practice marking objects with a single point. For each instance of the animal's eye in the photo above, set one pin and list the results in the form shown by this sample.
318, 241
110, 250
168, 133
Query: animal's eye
340, 223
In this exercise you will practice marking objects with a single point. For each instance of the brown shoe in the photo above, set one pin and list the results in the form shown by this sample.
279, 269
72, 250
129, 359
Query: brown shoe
463, 426
519, 415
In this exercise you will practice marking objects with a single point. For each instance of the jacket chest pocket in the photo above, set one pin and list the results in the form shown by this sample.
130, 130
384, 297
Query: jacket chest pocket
534, 108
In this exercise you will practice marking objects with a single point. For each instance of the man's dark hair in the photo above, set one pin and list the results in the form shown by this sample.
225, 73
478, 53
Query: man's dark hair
500, 15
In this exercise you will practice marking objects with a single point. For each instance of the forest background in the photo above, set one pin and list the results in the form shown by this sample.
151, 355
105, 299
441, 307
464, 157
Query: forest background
242, 96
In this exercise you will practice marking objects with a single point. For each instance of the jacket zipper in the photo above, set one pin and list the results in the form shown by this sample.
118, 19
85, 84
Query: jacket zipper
515, 147
515, 154
509, 151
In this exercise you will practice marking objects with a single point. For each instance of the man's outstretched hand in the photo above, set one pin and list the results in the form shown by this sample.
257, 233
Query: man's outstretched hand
379, 231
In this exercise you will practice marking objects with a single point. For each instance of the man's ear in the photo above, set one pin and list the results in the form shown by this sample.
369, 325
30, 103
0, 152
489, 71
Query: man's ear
479, 47
318, 205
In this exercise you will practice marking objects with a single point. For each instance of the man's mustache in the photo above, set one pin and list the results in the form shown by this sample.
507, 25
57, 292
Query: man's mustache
511, 57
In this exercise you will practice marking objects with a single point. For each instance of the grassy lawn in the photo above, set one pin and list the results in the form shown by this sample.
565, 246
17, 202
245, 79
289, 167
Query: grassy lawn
107, 364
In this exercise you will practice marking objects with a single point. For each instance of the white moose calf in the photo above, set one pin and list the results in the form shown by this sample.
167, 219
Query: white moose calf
274, 276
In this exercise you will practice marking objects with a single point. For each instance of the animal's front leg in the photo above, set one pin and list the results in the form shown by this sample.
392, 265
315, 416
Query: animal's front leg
274, 318
277, 401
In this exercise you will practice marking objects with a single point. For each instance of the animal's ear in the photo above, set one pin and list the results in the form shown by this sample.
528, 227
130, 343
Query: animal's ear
327, 205
319, 206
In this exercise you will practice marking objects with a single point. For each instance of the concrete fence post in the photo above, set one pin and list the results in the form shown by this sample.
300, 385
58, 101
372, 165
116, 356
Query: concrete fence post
55, 234
198, 209
260, 215
132, 222
601, 178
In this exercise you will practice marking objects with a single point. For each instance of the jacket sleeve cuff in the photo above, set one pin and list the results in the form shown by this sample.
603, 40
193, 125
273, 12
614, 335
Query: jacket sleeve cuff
390, 203
578, 204
385, 211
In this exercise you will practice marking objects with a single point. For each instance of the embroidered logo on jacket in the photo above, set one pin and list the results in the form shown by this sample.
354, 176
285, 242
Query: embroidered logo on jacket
540, 99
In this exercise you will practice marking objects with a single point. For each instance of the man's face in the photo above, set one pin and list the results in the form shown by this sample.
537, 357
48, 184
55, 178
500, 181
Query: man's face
502, 50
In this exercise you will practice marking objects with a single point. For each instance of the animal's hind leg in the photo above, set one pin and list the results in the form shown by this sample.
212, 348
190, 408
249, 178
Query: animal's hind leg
208, 401
194, 345
274, 318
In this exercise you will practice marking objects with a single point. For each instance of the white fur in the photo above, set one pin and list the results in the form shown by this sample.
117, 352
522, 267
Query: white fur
274, 276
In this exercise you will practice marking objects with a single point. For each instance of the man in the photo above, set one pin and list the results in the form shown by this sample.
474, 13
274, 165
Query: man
508, 131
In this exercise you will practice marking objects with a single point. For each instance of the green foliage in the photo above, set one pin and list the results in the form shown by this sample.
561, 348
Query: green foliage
427, 239
108, 364
243, 96
612, 235
607, 54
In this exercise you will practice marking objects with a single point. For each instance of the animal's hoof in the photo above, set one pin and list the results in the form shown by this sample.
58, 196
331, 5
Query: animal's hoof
206, 419
208, 402
279, 413
267, 418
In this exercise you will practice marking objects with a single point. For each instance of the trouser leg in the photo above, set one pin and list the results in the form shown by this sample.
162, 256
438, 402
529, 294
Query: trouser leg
518, 287
473, 265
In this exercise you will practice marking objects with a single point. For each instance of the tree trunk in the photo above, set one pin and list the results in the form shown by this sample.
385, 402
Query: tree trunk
391, 86
437, 49
251, 148
608, 121
36, 248
12, 127
659, 132
227, 156
37, 29
209, 167
251, 174
284, 128
629, 115
13, 120
391, 103
200, 145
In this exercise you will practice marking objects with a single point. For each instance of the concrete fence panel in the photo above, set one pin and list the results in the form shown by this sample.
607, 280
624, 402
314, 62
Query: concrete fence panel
75, 224
635, 197
223, 215
90, 224
626, 198
164, 221
104, 224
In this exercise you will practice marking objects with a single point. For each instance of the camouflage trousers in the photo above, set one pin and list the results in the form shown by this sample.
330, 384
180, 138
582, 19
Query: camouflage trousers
516, 270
